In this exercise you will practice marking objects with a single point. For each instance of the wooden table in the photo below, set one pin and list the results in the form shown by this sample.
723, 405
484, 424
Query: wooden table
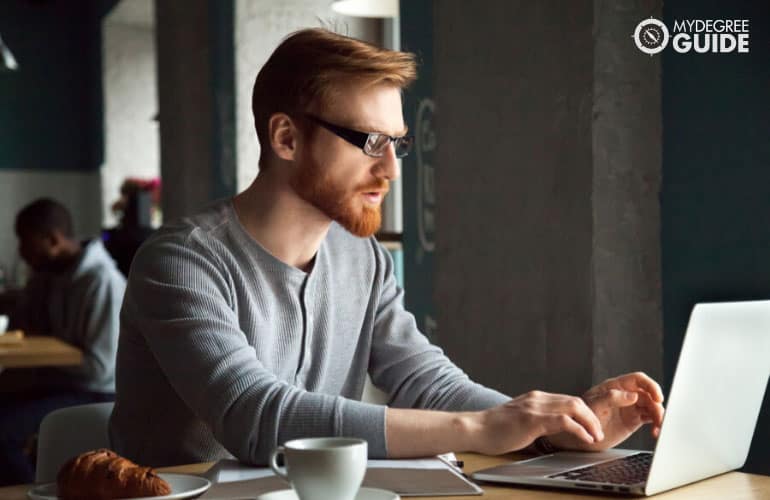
732, 486
39, 350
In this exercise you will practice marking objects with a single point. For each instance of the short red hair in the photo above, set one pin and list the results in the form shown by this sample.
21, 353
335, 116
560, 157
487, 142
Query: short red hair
305, 67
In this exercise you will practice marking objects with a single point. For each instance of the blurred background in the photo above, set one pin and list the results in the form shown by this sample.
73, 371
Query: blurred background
568, 202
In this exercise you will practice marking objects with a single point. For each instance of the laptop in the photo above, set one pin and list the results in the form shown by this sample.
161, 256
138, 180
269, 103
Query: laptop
711, 414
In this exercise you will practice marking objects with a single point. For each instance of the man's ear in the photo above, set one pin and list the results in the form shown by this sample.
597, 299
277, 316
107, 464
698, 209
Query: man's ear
283, 135
54, 241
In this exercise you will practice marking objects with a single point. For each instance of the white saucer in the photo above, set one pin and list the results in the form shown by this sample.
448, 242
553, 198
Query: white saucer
182, 486
363, 494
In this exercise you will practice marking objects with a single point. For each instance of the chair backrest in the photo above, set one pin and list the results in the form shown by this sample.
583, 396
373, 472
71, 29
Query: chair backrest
373, 394
68, 432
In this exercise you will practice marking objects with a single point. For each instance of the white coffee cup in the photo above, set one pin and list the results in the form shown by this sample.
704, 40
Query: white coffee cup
3, 323
323, 468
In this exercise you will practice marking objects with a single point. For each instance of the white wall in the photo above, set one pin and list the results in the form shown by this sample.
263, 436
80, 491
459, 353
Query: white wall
131, 143
260, 25
80, 192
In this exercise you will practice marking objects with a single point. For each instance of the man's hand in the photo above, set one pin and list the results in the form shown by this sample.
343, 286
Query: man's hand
605, 416
517, 423
622, 405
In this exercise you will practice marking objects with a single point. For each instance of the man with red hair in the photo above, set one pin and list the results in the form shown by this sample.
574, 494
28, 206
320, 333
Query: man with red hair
257, 321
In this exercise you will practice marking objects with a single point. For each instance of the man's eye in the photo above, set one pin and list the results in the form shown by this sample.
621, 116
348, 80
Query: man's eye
373, 140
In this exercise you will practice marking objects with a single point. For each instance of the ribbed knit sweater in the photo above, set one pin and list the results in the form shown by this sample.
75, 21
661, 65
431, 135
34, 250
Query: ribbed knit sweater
226, 351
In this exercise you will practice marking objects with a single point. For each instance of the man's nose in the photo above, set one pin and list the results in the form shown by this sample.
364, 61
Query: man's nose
389, 167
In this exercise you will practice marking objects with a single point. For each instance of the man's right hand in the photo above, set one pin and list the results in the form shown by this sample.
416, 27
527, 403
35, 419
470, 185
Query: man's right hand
517, 423
508, 427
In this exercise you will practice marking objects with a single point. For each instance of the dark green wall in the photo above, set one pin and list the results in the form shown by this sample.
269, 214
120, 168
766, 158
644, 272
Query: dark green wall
222, 56
51, 109
715, 200
419, 189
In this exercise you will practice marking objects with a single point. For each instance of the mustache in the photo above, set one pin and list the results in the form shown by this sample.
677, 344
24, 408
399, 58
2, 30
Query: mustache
381, 185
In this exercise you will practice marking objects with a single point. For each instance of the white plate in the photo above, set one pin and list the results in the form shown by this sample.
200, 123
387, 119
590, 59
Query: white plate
182, 486
363, 494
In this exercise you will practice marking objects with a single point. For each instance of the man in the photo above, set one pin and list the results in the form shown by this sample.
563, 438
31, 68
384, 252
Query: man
256, 321
74, 294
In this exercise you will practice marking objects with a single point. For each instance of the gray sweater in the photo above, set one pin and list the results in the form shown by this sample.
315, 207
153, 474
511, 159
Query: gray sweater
81, 306
227, 351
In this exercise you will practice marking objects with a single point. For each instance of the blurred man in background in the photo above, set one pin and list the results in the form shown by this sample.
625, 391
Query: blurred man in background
75, 294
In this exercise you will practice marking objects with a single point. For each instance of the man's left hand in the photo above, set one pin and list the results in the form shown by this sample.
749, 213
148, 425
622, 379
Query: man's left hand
622, 404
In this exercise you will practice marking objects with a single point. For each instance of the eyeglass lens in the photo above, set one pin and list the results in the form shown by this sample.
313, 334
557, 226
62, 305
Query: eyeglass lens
376, 144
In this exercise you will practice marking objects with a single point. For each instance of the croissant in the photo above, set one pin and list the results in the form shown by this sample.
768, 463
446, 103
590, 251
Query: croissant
104, 475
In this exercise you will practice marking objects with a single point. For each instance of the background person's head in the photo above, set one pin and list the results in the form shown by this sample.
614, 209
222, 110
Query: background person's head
45, 232
314, 74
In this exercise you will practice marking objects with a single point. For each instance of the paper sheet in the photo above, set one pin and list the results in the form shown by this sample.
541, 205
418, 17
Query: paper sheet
409, 478
226, 471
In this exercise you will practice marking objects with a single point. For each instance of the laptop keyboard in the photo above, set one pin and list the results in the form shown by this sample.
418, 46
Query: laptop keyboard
632, 469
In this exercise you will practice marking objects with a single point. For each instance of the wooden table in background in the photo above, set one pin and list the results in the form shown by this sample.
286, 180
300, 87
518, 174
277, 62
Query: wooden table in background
38, 350
732, 486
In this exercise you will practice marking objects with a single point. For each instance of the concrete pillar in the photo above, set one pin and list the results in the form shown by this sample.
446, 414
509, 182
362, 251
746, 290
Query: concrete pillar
513, 177
627, 160
547, 177
196, 103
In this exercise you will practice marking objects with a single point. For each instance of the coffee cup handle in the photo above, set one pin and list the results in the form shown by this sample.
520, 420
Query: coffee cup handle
274, 463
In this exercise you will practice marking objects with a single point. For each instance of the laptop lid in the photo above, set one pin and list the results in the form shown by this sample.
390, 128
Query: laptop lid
716, 394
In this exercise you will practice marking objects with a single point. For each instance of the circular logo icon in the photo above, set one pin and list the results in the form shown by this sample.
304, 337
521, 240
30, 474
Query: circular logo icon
651, 36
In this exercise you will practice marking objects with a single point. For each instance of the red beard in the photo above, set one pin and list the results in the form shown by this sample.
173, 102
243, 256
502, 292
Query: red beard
338, 203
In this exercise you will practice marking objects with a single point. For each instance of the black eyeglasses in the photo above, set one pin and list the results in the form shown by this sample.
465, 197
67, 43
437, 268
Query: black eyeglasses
371, 143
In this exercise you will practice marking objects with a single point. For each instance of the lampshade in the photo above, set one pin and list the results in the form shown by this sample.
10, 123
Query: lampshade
7, 61
366, 8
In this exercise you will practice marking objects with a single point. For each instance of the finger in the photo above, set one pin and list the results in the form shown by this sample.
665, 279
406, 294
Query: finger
657, 412
566, 424
641, 381
649, 418
652, 409
614, 398
583, 415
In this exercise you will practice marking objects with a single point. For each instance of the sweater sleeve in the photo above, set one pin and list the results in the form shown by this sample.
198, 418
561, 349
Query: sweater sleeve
96, 327
404, 364
179, 299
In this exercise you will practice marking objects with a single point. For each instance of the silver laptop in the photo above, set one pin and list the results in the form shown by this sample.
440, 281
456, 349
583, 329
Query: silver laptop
710, 417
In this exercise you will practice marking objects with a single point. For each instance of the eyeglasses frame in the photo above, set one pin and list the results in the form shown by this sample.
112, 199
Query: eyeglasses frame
361, 139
